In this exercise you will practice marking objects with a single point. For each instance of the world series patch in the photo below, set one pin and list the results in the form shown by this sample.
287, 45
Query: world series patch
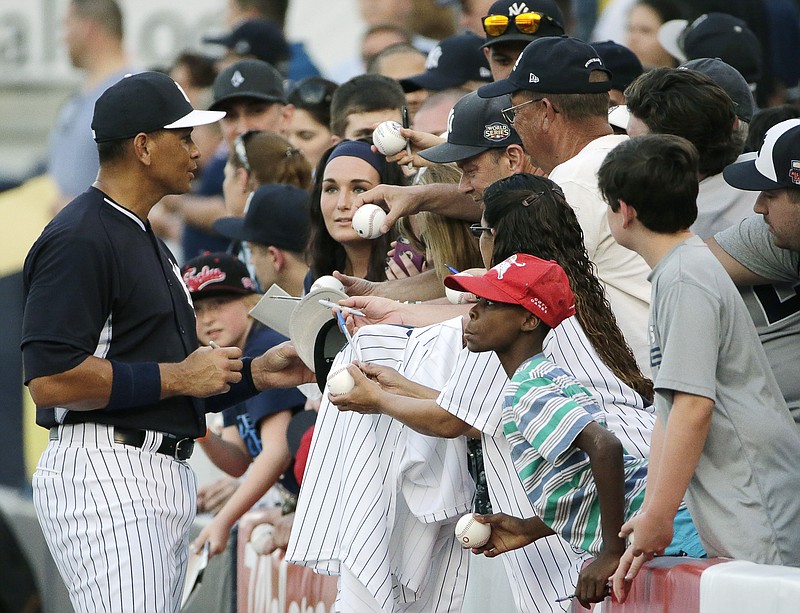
496, 131
794, 172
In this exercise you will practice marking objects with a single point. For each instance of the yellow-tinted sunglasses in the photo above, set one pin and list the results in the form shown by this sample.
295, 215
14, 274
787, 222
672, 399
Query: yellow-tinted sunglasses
527, 23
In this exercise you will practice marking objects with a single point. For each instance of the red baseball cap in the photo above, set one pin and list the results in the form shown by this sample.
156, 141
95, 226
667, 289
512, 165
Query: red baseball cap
540, 286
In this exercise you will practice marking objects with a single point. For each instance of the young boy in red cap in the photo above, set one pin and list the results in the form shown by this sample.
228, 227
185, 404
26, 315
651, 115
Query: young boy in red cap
575, 472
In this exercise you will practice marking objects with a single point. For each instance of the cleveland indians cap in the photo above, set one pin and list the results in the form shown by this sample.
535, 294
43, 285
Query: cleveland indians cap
475, 125
777, 165
248, 79
277, 215
454, 61
145, 102
551, 24
259, 38
714, 35
729, 79
217, 274
553, 65
540, 286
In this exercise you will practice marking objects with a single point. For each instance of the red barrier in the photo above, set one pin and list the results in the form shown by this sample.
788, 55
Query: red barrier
269, 584
663, 585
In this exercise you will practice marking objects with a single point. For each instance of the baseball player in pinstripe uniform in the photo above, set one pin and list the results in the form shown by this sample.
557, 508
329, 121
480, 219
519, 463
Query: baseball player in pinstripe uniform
111, 360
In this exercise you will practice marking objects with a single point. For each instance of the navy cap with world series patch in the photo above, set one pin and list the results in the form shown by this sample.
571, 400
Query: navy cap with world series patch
553, 65
475, 125
145, 102
248, 79
520, 23
453, 62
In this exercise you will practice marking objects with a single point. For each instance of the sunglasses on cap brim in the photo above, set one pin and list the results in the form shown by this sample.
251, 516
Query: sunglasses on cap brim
527, 23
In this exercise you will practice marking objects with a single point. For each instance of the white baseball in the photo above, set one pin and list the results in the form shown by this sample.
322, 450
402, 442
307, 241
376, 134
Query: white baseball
387, 138
471, 533
260, 537
340, 381
327, 282
457, 297
368, 219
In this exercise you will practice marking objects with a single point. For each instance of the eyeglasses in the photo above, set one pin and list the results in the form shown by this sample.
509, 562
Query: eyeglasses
478, 230
510, 114
527, 23
311, 93
239, 147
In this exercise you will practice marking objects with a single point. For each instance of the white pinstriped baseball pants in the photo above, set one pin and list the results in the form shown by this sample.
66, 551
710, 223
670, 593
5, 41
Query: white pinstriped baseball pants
116, 519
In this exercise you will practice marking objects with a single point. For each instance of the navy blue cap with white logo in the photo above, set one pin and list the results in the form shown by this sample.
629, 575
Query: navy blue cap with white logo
777, 165
248, 79
552, 23
454, 61
553, 65
145, 102
475, 125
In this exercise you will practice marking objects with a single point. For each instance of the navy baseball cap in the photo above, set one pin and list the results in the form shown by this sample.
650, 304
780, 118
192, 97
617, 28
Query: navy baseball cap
729, 79
454, 61
553, 65
551, 23
475, 125
777, 165
145, 102
217, 274
260, 38
621, 61
277, 215
714, 35
248, 79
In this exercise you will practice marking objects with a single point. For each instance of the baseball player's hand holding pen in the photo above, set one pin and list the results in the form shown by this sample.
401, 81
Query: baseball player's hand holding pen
204, 372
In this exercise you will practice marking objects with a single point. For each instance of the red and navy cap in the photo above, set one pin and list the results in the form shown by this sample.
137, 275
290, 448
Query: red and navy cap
540, 286
217, 274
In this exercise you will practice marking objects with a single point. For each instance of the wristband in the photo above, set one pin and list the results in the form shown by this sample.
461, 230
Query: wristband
134, 385
247, 374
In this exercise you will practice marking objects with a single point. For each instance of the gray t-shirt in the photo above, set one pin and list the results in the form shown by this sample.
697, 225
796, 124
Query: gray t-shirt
743, 495
775, 309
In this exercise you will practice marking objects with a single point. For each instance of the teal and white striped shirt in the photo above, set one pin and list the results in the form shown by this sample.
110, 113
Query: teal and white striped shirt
545, 409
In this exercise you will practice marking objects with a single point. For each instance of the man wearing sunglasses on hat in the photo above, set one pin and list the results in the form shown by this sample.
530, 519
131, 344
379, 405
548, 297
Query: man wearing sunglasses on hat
559, 93
510, 26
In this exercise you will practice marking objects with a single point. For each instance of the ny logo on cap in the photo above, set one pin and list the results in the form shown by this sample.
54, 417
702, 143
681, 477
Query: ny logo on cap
432, 60
237, 79
518, 8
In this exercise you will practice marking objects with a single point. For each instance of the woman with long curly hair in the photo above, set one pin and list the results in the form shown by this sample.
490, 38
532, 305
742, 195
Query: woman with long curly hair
347, 169
529, 214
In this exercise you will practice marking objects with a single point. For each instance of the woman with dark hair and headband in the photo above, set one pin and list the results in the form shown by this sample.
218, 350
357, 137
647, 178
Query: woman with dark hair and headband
344, 171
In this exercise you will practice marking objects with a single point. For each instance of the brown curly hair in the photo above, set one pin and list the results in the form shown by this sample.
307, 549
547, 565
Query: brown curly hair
549, 229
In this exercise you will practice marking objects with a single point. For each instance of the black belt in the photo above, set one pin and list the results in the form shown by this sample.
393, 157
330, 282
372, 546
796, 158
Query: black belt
180, 449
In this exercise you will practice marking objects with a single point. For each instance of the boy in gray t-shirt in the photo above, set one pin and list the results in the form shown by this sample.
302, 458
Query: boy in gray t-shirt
724, 438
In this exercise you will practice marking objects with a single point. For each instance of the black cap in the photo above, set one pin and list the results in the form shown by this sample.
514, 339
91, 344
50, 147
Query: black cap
552, 23
217, 274
552, 65
248, 79
729, 79
260, 38
277, 215
475, 125
714, 35
621, 61
777, 165
145, 102
454, 61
